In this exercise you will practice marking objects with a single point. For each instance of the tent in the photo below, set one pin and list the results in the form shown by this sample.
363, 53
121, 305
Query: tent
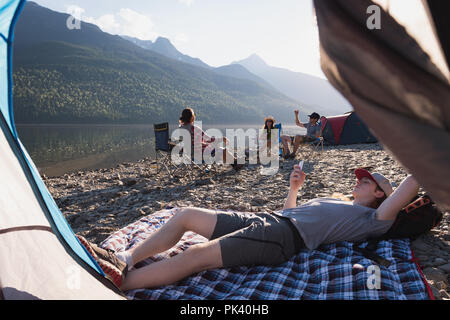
391, 61
345, 129
40, 257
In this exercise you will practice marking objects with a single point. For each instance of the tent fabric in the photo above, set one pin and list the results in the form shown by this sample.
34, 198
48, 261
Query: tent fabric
438, 12
35, 263
393, 87
355, 131
326, 273
8, 11
7, 112
337, 125
346, 129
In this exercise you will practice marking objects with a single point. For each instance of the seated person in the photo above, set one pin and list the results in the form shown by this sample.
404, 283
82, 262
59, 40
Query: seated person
313, 131
269, 125
265, 139
247, 239
187, 122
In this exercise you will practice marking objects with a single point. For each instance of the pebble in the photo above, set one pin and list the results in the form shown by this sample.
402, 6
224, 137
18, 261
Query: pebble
97, 203
444, 294
439, 262
445, 267
435, 274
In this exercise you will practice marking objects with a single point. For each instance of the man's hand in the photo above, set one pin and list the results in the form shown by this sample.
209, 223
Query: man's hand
296, 181
297, 178
297, 121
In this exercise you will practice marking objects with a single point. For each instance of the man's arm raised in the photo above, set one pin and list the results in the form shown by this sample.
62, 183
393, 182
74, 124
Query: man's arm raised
297, 121
297, 179
405, 192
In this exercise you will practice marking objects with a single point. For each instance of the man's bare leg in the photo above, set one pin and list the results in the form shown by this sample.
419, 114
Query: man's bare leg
285, 141
196, 258
298, 140
198, 220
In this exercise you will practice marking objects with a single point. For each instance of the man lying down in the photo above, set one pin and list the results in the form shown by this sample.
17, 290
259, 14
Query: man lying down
246, 239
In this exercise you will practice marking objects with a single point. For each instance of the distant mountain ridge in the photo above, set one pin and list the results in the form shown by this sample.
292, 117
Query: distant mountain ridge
239, 71
89, 76
313, 91
166, 48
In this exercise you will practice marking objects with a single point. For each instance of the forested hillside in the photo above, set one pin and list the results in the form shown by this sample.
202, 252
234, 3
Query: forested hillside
94, 77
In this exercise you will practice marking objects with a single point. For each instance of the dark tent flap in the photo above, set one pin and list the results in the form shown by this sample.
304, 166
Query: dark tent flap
396, 92
356, 131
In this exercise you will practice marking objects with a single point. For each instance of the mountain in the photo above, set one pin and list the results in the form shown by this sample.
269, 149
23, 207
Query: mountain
37, 24
238, 71
166, 48
89, 76
315, 92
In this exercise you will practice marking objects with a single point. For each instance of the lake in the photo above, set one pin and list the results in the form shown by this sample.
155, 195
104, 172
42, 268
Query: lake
60, 149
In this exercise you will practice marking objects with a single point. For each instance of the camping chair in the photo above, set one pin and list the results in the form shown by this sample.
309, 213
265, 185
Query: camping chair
163, 150
203, 166
278, 126
313, 149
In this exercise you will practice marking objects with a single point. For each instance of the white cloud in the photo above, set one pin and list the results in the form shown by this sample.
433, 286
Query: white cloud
74, 10
107, 23
136, 25
125, 22
186, 2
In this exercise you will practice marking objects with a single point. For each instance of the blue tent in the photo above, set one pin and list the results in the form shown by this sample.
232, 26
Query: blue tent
40, 257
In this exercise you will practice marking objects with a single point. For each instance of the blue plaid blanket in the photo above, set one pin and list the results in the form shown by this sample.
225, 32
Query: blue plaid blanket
333, 271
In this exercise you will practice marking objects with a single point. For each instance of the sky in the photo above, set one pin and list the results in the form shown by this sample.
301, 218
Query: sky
282, 32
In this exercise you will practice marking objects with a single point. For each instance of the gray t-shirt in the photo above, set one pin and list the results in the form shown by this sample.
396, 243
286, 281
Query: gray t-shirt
327, 220
312, 130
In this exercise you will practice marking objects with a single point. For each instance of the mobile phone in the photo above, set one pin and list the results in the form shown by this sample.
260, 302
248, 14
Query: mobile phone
300, 164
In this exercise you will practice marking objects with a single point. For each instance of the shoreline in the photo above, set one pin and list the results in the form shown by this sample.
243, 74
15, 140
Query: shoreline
99, 202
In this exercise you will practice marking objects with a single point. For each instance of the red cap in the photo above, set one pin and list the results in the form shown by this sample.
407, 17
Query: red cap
376, 177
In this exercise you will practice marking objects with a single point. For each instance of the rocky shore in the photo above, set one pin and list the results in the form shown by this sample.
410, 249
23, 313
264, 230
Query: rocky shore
97, 203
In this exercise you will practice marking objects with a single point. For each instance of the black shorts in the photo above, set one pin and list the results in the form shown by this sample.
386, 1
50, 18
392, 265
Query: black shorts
309, 139
248, 239
305, 139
